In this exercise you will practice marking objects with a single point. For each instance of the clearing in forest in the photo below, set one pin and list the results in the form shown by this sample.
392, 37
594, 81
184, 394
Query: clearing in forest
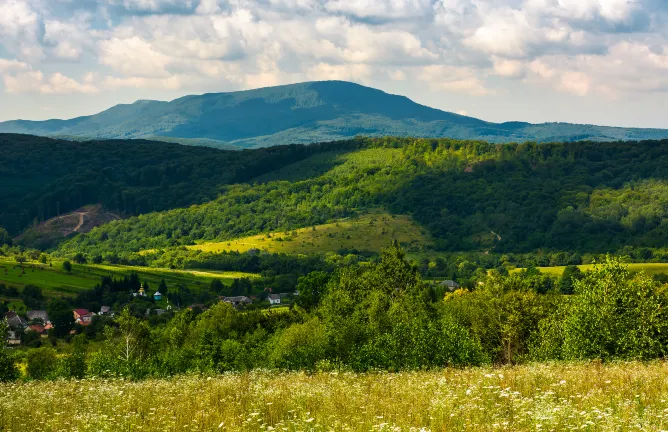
369, 232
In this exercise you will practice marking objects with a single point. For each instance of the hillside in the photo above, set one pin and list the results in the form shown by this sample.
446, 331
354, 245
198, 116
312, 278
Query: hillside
303, 113
43, 178
51, 231
370, 232
467, 196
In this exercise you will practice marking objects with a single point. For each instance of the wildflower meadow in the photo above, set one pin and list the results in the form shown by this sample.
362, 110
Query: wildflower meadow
558, 397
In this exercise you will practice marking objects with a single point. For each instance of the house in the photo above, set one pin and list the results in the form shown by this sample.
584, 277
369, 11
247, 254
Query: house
449, 284
237, 301
83, 316
157, 296
105, 310
37, 328
37, 315
78, 313
15, 321
274, 299
13, 338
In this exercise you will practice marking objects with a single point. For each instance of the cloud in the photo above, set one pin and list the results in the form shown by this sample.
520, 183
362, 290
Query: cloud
471, 47
21, 29
31, 81
453, 79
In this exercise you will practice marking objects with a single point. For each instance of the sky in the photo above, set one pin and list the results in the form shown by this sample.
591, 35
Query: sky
582, 61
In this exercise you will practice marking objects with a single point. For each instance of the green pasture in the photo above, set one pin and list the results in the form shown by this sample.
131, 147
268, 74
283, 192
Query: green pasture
369, 232
56, 281
649, 268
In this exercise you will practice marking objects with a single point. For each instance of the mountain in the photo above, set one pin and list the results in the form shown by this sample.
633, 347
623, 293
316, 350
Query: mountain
587, 197
303, 113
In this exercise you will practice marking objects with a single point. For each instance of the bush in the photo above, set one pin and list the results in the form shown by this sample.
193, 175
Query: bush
42, 363
8, 370
300, 346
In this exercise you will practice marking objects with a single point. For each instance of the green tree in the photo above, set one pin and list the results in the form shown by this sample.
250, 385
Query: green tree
79, 258
568, 277
217, 286
616, 314
130, 340
5, 238
67, 266
61, 315
312, 288
8, 369
32, 296
41, 363
74, 364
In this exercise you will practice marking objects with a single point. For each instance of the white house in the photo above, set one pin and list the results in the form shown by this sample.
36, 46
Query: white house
274, 299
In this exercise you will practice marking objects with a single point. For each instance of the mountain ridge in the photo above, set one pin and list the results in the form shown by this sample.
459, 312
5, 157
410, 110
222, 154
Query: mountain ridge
303, 113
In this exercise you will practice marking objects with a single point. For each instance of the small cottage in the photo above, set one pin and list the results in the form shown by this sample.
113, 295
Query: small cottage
274, 299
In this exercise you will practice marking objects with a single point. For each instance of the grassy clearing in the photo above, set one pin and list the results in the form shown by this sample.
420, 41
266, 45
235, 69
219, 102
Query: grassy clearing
55, 281
649, 268
370, 232
590, 397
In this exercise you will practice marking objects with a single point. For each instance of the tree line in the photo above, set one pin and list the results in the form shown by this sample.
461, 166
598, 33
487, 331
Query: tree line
383, 315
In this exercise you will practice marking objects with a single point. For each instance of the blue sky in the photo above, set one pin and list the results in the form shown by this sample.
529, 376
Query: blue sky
586, 61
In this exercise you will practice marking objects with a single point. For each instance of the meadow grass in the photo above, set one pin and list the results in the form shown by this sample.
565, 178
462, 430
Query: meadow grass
56, 281
589, 397
369, 232
649, 268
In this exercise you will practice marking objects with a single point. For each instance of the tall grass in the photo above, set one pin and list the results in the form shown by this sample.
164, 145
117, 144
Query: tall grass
593, 397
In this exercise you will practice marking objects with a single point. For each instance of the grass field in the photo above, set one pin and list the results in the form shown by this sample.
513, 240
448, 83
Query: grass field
588, 397
55, 281
649, 268
370, 232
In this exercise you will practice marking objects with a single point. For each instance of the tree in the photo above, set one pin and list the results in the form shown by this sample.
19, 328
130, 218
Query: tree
80, 258
217, 286
74, 365
5, 238
67, 266
312, 288
614, 314
163, 288
568, 277
43, 258
130, 340
61, 316
8, 369
41, 363
32, 296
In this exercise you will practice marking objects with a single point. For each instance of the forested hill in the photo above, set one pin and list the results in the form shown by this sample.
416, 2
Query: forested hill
304, 113
41, 178
468, 195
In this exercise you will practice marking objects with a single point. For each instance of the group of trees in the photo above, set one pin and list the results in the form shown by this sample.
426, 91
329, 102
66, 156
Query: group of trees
384, 316
577, 197
126, 176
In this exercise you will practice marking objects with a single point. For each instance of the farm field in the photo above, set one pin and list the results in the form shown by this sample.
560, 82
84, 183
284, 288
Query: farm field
591, 397
370, 232
649, 268
55, 281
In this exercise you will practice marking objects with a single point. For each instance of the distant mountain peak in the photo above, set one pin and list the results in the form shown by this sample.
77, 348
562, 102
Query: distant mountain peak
303, 113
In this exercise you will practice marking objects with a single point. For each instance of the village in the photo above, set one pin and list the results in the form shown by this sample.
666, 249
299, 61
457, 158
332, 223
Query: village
33, 326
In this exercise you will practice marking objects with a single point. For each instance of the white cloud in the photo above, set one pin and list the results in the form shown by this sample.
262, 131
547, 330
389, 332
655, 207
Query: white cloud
454, 79
21, 29
616, 48
388, 9
35, 82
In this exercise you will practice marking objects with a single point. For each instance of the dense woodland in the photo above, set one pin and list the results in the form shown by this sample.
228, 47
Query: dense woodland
41, 178
584, 197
